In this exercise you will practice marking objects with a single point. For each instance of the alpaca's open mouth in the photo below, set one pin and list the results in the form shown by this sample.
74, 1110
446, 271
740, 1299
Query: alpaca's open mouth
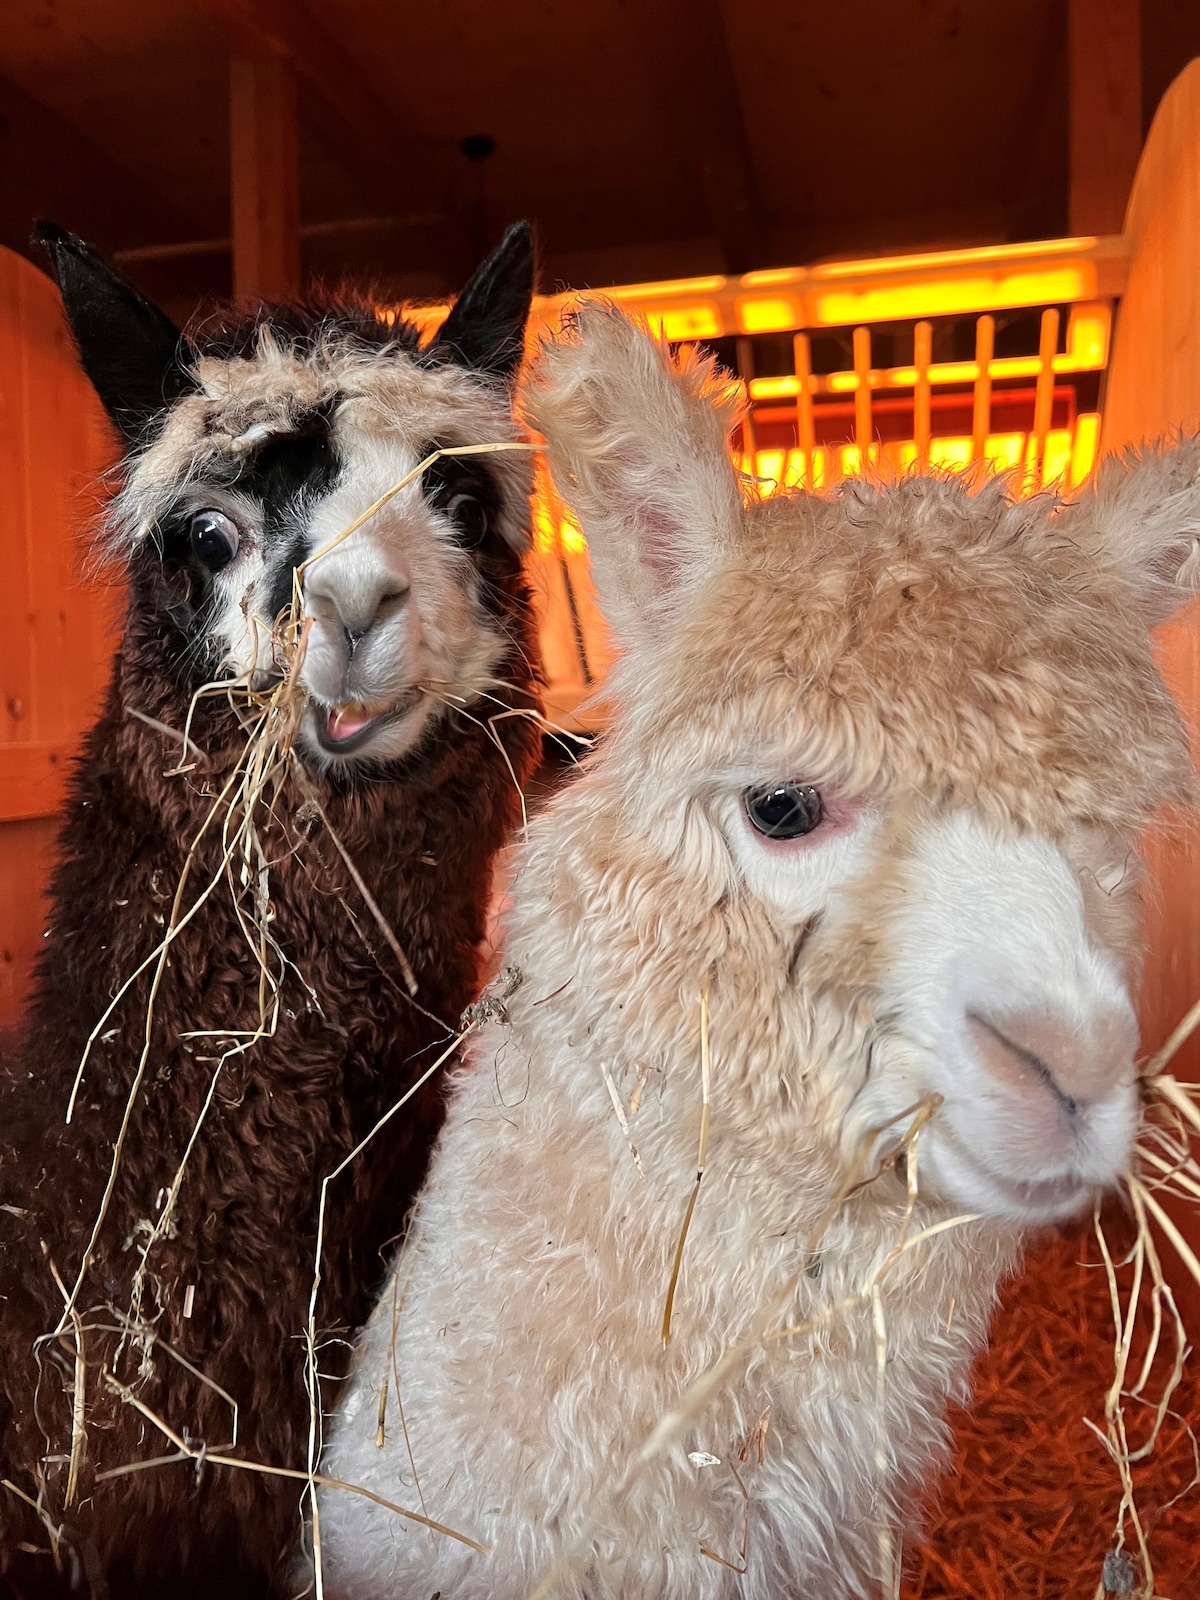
345, 729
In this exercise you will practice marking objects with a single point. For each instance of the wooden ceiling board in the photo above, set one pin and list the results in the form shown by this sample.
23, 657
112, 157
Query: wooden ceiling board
644, 137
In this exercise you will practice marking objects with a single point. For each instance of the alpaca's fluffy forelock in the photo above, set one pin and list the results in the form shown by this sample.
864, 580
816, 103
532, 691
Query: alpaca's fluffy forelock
375, 411
968, 681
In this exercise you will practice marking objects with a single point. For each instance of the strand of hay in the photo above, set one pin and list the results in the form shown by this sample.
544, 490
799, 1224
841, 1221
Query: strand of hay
701, 1156
1027, 1507
189, 1452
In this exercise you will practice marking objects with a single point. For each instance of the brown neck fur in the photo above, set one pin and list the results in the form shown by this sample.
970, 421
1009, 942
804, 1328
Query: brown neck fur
282, 1117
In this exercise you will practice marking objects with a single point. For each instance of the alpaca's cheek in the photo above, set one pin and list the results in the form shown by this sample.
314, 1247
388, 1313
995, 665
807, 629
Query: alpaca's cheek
803, 879
240, 626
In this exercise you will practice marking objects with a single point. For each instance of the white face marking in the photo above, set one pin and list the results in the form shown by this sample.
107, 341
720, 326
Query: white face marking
397, 633
991, 992
1010, 1008
800, 879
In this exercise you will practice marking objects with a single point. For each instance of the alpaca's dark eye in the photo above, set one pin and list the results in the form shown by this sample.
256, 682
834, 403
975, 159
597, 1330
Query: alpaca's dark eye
214, 539
470, 517
784, 810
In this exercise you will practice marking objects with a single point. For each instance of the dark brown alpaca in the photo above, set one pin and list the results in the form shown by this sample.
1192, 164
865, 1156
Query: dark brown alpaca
249, 445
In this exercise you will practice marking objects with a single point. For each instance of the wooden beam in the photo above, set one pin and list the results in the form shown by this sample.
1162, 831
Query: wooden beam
702, 99
52, 170
264, 177
351, 119
1104, 60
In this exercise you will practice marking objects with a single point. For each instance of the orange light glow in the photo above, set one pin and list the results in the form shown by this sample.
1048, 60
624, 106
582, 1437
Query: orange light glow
774, 388
1004, 450
555, 532
667, 289
767, 315
836, 308
1068, 456
1087, 440
681, 323
949, 259
1056, 459
951, 452
1088, 331
770, 467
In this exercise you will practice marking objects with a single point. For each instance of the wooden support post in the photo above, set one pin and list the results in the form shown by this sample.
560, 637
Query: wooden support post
1104, 57
862, 396
922, 393
806, 434
745, 366
981, 410
1043, 402
265, 177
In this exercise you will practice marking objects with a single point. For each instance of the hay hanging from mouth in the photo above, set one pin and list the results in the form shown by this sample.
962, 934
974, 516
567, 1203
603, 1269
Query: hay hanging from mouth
1029, 1509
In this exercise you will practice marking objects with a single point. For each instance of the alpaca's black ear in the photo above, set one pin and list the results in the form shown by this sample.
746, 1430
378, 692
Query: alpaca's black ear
486, 326
133, 353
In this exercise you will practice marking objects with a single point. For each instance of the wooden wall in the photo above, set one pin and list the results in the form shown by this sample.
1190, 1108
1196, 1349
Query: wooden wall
56, 630
1153, 388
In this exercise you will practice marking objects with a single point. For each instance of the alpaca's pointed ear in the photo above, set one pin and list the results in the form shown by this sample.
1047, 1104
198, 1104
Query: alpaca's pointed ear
486, 326
133, 353
1141, 515
638, 443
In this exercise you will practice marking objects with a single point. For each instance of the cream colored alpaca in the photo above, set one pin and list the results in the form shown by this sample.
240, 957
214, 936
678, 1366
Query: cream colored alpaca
944, 703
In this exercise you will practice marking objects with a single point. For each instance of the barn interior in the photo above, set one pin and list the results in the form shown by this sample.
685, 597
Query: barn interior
649, 142
960, 172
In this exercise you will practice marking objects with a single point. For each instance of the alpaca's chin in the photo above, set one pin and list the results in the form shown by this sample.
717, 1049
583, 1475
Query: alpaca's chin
1018, 1194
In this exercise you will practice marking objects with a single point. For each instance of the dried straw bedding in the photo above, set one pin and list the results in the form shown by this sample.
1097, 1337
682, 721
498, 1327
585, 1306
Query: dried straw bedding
1028, 1508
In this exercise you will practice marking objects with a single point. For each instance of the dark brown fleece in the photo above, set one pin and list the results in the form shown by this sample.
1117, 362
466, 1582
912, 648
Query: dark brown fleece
284, 1116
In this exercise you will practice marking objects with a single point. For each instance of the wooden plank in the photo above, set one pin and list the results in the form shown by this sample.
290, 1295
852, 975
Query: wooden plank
16, 670
26, 850
32, 778
352, 118
701, 97
1153, 388
1104, 56
56, 630
264, 177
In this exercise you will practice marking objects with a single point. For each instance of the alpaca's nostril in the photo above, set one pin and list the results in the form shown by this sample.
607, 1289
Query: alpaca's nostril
1079, 1062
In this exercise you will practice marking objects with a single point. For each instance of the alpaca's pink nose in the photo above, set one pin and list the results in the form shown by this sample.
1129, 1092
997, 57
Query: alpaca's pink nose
1032, 1051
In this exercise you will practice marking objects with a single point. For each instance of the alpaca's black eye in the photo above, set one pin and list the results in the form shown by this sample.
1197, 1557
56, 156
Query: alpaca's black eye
214, 539
784, 810
470, 517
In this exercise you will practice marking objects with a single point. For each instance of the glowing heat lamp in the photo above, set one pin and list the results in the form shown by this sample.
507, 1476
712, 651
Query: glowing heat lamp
682, 324
767, 314
841, 307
